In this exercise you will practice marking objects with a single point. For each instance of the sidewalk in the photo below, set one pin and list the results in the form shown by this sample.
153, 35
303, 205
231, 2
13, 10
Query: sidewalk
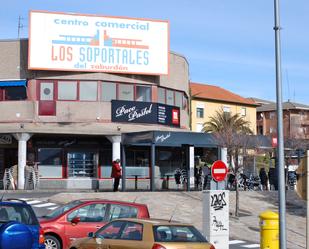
189, 209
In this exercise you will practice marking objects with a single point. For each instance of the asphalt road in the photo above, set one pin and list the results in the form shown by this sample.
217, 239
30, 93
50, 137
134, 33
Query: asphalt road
41, 206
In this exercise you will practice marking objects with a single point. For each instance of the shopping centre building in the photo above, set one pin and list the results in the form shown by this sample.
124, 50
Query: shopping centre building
74, 103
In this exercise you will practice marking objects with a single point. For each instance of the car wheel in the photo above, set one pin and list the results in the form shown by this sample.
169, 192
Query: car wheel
52, 242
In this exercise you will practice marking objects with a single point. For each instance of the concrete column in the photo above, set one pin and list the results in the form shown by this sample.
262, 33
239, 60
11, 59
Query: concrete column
124, 172
22, 157
223, 155
216, 217
115, 140
191, 168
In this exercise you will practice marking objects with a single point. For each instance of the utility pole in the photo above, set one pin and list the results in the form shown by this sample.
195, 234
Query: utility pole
307, 197
20, 25
281, 175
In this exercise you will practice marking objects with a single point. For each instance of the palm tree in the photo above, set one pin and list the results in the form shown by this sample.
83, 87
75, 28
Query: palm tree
223, 121
229, 131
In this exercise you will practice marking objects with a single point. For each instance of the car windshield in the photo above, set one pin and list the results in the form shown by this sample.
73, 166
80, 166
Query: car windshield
21, 213
60, 210
173, 233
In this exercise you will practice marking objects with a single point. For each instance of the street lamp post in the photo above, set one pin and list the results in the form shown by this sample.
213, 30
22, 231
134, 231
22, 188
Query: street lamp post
281, 176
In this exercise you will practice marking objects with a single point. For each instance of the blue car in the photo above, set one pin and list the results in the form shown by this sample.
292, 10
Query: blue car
19, 226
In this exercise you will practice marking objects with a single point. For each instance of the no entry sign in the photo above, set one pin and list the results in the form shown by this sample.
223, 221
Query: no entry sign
218, 171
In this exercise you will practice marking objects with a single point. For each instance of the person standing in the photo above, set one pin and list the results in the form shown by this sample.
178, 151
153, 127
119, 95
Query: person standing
116, 173
206, 170
264, 179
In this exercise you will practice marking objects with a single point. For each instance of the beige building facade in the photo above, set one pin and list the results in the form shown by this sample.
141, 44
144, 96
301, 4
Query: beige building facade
206, 100
71, 123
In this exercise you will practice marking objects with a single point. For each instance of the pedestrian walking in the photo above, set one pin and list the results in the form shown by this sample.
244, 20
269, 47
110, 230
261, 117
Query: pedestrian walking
271, 178
177, 176
264, 179
206, 169
116, 173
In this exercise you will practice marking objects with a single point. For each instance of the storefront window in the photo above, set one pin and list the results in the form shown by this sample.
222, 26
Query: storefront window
205, 156
15, 93
143, 93
82, 164
169, 97
106, 162
161, 95
88, 91
50, 162
168, 159
67, 90
108, 91
126, 92
137, 162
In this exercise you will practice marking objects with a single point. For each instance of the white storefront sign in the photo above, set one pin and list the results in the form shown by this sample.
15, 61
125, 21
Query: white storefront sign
75, 42
216, 217
5, 139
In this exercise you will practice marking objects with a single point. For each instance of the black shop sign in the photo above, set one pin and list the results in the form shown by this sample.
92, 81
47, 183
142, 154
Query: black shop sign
145, 112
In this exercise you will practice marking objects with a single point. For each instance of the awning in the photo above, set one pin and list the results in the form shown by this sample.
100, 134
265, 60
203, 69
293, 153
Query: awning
197, 139
13, 83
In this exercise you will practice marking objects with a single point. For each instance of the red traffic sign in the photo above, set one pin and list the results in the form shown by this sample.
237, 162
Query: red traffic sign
218, 171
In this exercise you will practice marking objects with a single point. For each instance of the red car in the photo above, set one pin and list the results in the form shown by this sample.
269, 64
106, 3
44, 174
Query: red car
77, 218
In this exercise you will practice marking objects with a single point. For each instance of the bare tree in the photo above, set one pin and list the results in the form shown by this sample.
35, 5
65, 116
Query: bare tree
230, 132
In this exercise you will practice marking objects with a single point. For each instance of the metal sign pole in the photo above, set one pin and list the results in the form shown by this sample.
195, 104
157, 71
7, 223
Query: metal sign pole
307, 190
281, 175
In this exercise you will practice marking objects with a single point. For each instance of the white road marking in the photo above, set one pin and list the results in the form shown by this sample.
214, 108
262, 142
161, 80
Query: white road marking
48, 204
252, 246
33, 202
233, 242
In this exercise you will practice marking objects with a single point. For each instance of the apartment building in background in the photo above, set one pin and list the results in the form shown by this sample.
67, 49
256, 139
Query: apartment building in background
295, 119
207, 99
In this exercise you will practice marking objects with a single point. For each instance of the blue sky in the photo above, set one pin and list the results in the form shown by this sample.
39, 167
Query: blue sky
227, 43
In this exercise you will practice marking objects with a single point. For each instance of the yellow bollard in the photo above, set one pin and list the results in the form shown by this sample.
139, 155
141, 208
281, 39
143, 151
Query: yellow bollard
269, 229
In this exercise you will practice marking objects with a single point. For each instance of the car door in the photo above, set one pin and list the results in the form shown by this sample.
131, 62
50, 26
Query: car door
91, 216
105, 236
130, 236
117, 211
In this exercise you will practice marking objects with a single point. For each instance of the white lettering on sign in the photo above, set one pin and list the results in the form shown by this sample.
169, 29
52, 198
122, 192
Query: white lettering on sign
162, 138
5, 139
122, 110
216, 217
81, 42
132, 112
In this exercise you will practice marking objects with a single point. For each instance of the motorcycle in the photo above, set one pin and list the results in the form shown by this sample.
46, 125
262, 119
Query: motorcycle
292, 179
254, 183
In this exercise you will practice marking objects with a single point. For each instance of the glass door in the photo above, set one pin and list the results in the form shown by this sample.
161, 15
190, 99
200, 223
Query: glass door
82, 164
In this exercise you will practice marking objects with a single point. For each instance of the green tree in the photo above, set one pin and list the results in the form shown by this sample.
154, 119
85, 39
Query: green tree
230, 132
